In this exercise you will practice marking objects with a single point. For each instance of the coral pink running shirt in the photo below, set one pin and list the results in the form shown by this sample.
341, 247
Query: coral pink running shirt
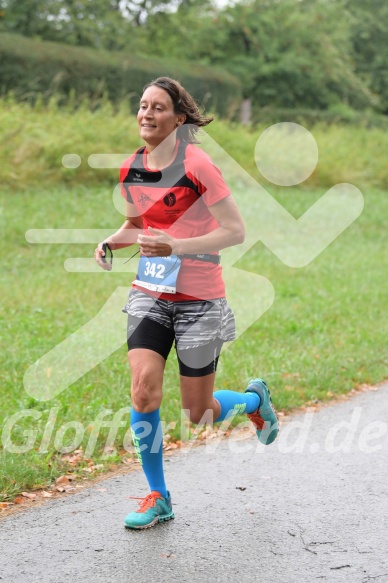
176, 200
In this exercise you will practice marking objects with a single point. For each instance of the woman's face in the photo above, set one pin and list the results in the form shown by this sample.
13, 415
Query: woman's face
156, 117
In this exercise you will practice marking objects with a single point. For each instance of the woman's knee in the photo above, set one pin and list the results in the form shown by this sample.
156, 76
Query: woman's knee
145, 398
146, 387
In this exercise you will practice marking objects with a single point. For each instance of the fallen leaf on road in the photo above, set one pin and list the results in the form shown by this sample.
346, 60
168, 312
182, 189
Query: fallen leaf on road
65, 488
72, 460
28, 495
62, 481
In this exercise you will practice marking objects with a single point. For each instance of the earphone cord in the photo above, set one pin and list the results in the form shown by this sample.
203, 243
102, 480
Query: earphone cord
132, 256
171, 268
167, 272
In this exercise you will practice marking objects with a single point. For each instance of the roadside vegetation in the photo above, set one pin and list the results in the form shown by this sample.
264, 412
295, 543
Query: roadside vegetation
34, 138
324, 335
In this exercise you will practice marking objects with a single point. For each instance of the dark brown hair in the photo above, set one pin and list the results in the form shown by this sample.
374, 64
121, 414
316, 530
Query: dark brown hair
183, 103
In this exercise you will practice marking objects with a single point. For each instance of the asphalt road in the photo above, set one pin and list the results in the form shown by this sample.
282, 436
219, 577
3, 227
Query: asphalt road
313, 506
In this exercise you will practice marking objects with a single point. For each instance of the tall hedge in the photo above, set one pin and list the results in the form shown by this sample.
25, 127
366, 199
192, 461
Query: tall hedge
29, 67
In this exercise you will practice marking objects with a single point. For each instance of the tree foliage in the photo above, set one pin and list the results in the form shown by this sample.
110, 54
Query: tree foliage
94, 23
289, 53
369, 34
296, 53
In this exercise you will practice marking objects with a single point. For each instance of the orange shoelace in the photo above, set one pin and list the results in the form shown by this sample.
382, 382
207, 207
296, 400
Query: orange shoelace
257, 420
147, 502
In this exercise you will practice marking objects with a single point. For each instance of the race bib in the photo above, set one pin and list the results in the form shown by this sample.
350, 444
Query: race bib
158, 273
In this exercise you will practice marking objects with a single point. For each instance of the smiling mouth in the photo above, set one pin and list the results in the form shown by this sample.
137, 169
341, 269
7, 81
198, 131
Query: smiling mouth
147, 125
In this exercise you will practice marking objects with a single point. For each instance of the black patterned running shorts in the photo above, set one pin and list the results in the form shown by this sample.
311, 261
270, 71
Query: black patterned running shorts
199, 328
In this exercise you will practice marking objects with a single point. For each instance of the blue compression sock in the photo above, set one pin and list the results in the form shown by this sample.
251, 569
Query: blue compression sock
232, 402
147, 436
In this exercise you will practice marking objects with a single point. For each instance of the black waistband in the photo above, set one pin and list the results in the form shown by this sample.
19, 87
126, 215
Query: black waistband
216, 259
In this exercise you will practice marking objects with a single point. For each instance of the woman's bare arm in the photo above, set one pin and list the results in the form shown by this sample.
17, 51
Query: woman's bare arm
231, 231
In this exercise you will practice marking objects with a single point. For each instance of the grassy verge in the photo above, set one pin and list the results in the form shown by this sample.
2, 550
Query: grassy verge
33, 141
324, 334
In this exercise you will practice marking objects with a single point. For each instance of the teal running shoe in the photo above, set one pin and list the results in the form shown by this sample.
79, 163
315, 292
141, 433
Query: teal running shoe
264, 419
154, 508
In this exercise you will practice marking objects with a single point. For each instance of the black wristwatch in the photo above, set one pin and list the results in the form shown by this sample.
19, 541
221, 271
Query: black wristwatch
108, 251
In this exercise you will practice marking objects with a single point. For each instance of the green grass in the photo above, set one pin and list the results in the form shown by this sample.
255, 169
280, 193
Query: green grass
33, 141
324, 334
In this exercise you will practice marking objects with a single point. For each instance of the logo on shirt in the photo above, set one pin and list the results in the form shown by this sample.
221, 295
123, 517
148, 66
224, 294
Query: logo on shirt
169, 199
143, 200
137, 178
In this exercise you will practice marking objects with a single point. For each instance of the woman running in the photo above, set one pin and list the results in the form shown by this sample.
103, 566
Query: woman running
181, 213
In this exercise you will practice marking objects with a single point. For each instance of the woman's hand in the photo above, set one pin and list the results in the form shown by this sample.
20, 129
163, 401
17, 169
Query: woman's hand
98, 254
157, 245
